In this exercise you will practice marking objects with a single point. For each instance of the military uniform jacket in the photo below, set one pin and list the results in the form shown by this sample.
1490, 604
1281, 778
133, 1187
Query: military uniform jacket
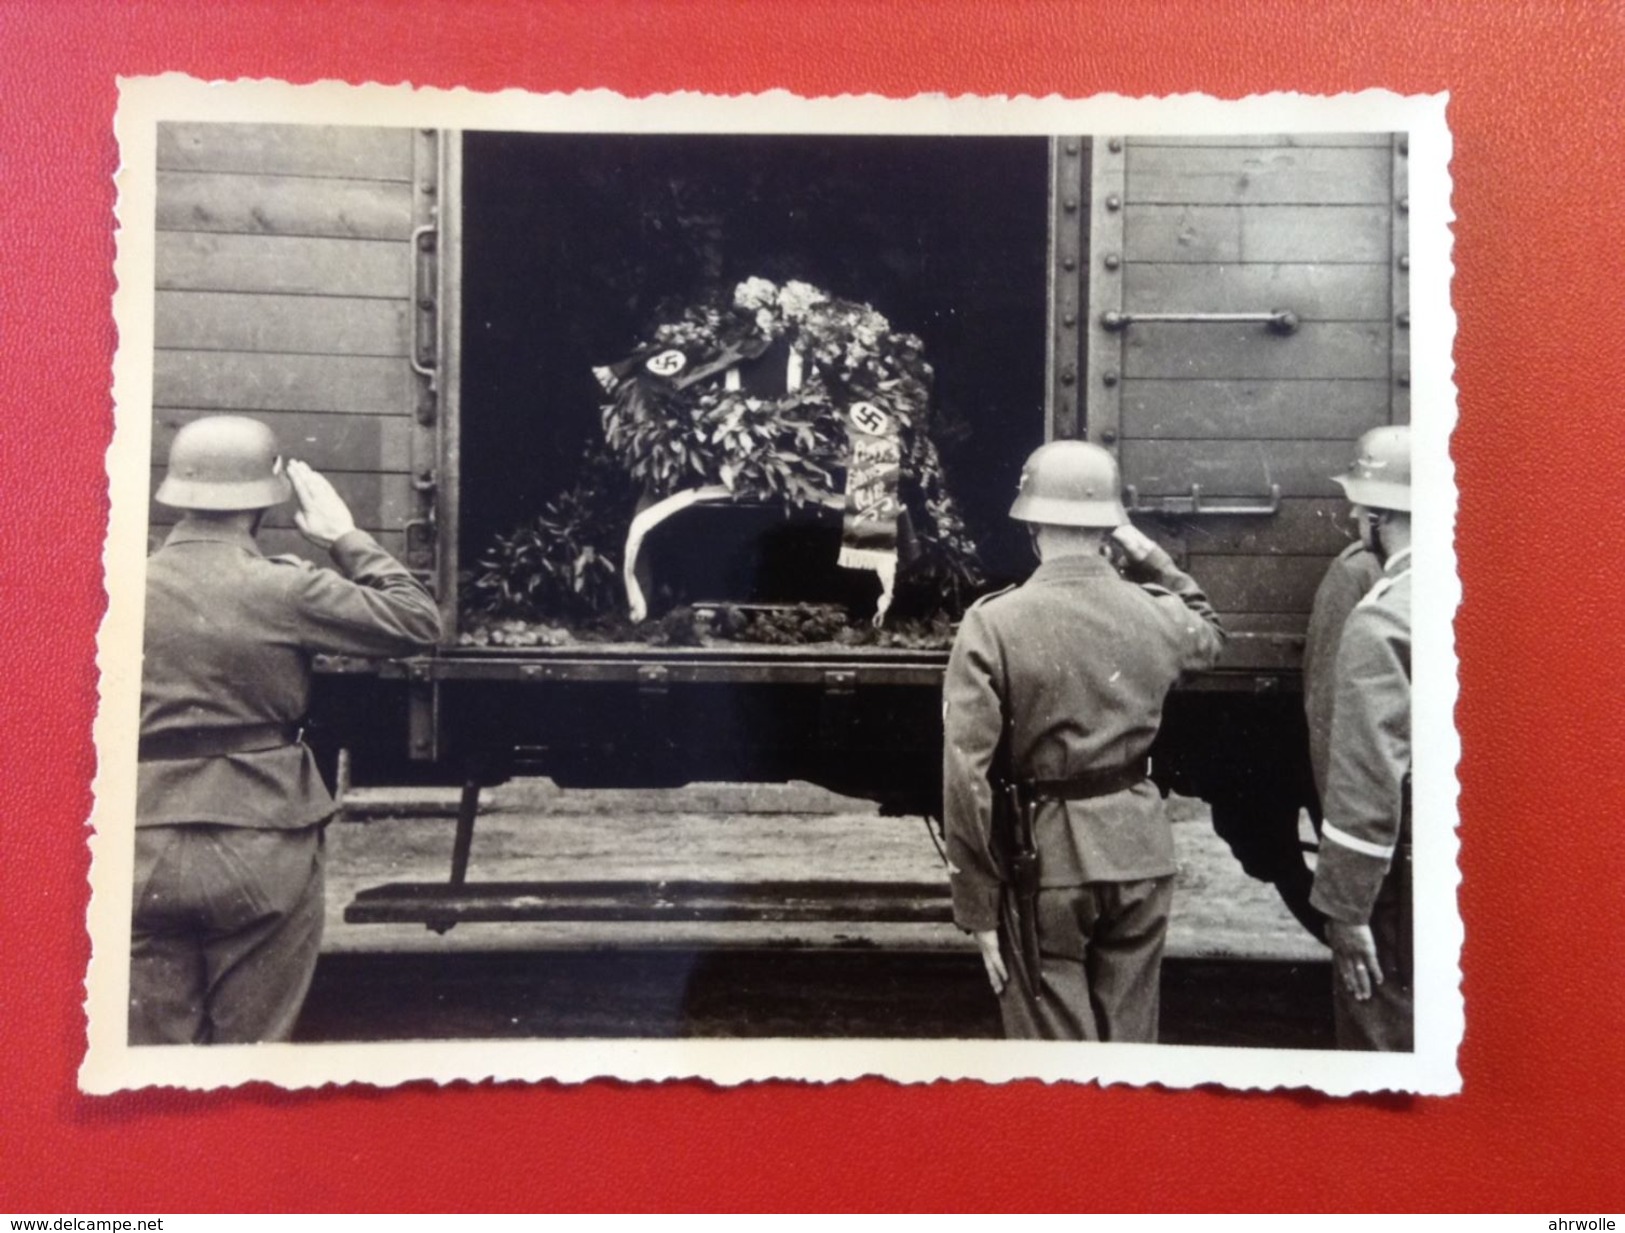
229, 640
1366, 791
1346, 582
1077, 661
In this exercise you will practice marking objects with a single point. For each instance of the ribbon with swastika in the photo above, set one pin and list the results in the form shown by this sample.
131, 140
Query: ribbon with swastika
869, 522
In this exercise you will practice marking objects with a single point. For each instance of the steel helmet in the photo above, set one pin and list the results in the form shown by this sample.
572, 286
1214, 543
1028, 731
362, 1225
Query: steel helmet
224, 462
1381, 475
1070, 484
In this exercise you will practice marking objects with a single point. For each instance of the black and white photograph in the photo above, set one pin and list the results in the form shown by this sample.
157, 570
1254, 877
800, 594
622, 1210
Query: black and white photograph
764, 587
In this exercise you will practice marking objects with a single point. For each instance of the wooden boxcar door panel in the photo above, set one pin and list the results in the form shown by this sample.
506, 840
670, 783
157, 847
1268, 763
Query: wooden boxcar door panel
1246, 322
297, 282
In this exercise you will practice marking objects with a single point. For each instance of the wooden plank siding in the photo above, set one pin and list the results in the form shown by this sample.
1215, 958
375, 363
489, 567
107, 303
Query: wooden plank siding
297, 324
250, 382
283, 205
1318, 526
1286, 233
296, 265
1251, 224
1337, 350
321, 150
1264, 410
1220, 175
1267, 140
1342, 292
284, 277
1235, 468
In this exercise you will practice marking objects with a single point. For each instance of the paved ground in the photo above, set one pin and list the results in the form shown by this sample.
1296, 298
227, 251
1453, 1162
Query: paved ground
1240, 972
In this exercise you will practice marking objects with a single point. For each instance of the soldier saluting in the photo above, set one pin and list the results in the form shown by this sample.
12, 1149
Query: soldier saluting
229, 807
1053, 695
1362, 875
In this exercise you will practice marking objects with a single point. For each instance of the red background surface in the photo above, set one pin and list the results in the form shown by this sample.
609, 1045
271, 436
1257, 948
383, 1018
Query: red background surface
1539, 168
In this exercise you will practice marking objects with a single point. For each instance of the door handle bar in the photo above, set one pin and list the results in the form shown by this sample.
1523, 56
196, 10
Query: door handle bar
1195, 505
1280, 320
425, 367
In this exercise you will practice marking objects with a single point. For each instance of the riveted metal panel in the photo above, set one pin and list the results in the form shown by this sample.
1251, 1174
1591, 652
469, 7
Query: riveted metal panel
422, 530
1067, 245
448, 507
1400, 282
1104, 368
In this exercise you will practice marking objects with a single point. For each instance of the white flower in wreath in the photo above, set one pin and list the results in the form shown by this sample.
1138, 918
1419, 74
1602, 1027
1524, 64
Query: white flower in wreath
754, 294
798, 298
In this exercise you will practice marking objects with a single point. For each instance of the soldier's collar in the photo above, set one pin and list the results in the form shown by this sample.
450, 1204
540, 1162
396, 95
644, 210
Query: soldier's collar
208, 533
1075, 565
1398, 563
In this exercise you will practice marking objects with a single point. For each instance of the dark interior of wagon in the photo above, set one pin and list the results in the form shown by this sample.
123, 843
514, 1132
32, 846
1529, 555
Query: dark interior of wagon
576, 246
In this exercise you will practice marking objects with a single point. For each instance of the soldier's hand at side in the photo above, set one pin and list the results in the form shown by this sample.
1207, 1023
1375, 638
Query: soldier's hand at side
1135, 543
987, 941
323, 516
1354, 954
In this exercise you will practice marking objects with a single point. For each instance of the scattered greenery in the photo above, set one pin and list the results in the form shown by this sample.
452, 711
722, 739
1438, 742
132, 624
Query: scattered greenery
782, 625
565, 563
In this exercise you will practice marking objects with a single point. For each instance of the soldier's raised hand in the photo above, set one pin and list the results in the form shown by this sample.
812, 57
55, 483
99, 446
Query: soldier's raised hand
1135, 543
323, 516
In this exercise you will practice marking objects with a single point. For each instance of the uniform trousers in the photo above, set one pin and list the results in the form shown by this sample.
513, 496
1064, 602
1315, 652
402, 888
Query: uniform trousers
226, 928
1386, 1020
1100, 950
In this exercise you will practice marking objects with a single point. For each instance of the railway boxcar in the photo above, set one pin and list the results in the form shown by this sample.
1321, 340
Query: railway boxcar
418, 312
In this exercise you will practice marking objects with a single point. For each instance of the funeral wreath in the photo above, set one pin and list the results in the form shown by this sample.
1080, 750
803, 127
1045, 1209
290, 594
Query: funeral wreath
845, 427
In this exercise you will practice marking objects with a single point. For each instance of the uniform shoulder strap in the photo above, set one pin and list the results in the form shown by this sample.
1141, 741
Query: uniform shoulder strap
1377, 591
992, 595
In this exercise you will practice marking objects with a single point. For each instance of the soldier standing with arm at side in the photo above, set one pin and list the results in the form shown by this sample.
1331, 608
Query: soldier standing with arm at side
1362, 876
1348, 578
1057, 687
1346, 582
230, 810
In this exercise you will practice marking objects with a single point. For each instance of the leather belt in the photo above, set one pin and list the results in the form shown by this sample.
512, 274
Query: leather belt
215, 742
1096, 783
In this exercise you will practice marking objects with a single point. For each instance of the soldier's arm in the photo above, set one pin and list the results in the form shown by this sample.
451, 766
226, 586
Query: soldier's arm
371, 606
1183, 603
1369, 759
1346, 580
972, 723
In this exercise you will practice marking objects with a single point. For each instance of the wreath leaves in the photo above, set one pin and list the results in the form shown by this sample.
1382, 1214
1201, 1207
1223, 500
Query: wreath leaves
662, 436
